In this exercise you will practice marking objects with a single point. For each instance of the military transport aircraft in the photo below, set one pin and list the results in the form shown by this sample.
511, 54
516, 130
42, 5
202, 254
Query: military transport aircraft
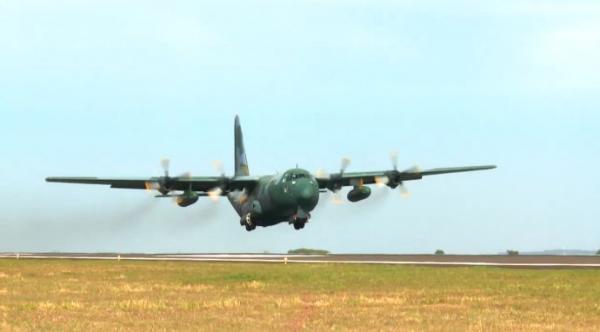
268, 200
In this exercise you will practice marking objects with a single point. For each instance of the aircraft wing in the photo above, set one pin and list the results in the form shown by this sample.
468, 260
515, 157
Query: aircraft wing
198, 184
391, 178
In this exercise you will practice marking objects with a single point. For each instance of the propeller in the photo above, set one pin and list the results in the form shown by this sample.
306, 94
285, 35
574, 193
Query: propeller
382, 181
160, 184
336, 184
215, 193
163, 184
391, 179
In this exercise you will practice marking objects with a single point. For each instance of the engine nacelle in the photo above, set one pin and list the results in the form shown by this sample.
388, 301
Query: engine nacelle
359, 193
186, 199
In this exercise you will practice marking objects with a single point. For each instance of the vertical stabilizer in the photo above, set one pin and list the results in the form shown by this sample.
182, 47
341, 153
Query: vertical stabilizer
241, 163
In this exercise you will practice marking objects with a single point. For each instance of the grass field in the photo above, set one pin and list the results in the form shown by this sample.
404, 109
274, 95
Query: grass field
110, 295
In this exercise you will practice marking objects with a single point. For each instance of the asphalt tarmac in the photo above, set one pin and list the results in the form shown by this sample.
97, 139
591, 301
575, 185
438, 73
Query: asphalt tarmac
533, 261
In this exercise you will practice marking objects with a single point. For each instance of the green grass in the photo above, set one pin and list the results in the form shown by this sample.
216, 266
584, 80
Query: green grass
84, 295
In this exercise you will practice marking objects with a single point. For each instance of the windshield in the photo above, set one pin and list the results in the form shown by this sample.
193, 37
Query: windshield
295, 176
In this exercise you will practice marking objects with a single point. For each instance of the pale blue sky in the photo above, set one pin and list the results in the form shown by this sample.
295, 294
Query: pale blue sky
107, 88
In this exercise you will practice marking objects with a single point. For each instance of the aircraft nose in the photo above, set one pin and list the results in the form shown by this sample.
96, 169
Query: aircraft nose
307, 195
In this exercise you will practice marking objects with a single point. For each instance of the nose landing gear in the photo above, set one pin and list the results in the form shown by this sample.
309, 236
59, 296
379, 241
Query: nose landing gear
299, 222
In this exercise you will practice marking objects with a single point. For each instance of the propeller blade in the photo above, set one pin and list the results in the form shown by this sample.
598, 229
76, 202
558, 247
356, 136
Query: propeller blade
336, 198
403, 191
215, 194
186, 175
218, 166
321, 173
165, 164
394, 159
345, 163
381, 181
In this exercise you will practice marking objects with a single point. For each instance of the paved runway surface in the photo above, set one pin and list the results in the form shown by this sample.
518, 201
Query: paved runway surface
426, 260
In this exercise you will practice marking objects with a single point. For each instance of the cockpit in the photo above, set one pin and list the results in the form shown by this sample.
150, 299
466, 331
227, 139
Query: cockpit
295, 176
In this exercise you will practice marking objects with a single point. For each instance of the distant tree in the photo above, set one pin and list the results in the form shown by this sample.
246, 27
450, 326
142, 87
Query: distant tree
307, 251
439, 252
598, 252
512, 252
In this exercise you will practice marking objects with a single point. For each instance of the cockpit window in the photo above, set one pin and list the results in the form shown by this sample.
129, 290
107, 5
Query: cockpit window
295, 176
298, 176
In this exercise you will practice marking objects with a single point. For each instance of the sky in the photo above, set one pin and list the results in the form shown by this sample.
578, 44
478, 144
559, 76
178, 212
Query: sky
108, 88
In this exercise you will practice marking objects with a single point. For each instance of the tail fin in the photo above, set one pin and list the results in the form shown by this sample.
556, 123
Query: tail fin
241, 164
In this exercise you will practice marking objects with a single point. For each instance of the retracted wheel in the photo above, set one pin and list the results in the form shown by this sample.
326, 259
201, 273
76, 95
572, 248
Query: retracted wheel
248, 222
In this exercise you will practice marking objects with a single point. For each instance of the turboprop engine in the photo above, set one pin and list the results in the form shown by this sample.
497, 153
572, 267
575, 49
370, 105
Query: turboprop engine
359, 193
186, 199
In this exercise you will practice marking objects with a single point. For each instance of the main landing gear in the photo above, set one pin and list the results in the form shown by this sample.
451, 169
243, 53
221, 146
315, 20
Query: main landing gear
298, 223
248, 222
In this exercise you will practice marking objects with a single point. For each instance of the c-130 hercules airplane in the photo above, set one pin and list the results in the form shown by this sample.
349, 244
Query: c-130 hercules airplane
272, 199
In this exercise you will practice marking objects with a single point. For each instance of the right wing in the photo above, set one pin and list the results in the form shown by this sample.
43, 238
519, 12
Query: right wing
197, 184
393, 178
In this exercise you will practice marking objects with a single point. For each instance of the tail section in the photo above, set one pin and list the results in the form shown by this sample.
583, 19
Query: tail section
241, 163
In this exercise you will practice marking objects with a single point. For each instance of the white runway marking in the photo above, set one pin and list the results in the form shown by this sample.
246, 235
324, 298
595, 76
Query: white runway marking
282, 258
235, 256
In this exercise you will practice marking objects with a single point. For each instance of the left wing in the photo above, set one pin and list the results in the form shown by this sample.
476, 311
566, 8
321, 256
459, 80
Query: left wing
391, 178
197, 184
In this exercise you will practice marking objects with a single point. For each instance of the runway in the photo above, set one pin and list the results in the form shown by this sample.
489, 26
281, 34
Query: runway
533, 261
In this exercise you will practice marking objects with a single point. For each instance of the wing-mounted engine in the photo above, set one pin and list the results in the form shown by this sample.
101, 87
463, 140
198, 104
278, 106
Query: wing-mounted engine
336, 182
395, 178
163, 184
166, 185
392, 179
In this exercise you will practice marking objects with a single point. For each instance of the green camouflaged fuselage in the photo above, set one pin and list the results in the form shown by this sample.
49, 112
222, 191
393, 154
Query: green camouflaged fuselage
279, 198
